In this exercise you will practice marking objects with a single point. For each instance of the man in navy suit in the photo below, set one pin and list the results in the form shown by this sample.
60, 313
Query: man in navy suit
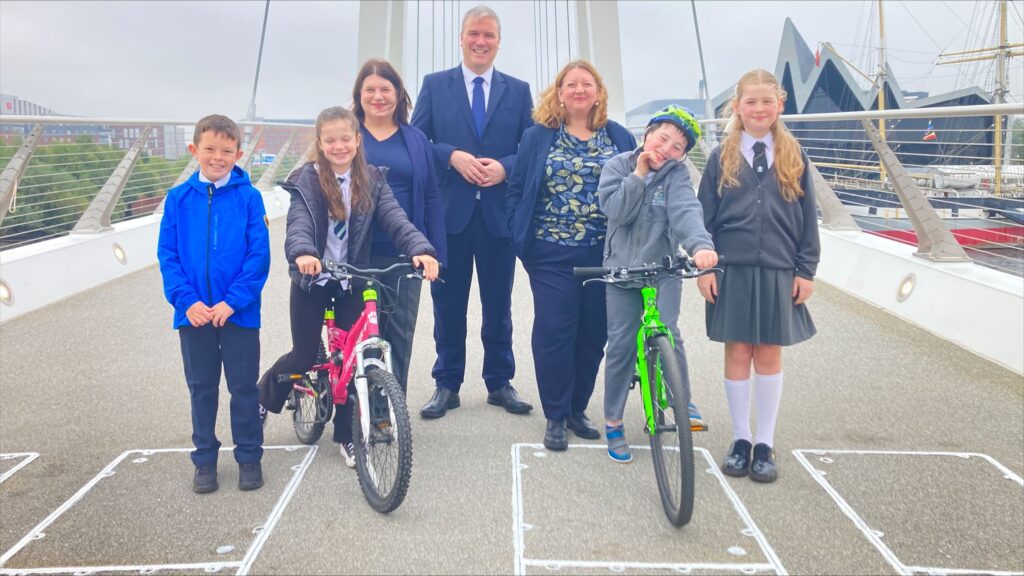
474, 116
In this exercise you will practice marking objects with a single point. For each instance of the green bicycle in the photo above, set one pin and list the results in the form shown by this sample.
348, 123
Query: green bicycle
665, 399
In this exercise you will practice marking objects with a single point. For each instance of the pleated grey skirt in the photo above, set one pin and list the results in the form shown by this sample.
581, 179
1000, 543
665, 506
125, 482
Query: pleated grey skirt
755, 305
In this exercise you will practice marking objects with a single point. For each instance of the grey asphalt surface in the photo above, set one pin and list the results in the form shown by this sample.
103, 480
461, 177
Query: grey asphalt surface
88, 379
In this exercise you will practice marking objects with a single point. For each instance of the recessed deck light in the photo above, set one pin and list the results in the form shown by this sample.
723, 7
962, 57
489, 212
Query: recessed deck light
119, 253
906, 287
6, 294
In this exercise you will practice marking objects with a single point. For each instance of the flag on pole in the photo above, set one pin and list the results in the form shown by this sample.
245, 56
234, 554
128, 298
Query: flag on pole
929, 133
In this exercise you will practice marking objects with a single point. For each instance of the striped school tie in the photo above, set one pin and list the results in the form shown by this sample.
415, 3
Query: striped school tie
341, 228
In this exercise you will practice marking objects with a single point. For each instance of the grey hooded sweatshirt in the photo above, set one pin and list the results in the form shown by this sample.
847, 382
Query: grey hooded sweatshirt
649, 221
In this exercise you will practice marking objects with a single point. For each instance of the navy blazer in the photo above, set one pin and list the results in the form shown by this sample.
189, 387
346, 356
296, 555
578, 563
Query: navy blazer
527, 180
444, 114
427, 208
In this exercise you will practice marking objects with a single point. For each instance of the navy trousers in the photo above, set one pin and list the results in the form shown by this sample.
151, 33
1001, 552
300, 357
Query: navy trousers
495, 263
570, 326
203, 351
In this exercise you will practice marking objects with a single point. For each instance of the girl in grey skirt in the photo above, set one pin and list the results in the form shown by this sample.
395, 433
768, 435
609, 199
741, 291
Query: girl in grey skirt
759, 206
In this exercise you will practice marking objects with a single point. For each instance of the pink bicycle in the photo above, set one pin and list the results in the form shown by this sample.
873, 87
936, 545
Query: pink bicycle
359, 361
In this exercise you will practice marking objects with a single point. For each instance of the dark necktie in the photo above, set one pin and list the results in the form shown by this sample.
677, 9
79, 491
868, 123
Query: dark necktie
341, 227
760, 160
479, 107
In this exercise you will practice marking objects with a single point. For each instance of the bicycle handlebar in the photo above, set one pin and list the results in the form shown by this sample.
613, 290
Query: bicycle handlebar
345, 270
681, 267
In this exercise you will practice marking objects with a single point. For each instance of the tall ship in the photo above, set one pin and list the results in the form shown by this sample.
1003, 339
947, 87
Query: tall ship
958, 162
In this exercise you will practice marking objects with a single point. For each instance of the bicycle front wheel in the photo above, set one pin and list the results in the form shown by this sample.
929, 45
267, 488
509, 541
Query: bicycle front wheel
671, 439
312, 411
384, 449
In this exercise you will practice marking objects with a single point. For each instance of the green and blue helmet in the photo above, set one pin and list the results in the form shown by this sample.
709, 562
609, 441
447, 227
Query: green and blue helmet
681, 118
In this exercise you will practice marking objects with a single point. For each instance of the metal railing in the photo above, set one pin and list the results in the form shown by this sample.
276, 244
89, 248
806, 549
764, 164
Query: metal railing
931, 182
66, 175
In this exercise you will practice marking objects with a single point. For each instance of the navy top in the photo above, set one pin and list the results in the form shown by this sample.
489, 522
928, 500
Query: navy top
568, 213
393, 153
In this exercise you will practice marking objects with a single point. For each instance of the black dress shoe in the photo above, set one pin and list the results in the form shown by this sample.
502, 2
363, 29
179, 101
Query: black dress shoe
582, 427
555, 436
762, 468
737, 464
444, 399
508, 398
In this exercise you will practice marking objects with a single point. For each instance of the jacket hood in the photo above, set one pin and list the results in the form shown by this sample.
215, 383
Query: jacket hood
238, 178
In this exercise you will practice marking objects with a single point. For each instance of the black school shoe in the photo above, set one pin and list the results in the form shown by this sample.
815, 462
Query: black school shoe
737, 463
763, 469
250, 476
582, 427
205, 480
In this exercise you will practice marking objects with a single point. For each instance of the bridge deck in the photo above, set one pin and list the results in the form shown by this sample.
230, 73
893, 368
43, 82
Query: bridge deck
87, 380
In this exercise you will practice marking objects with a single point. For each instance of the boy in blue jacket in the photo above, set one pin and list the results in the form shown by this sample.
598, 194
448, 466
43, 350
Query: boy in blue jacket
214, 253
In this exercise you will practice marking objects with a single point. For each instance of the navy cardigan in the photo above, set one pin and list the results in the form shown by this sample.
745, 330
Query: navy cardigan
524, 186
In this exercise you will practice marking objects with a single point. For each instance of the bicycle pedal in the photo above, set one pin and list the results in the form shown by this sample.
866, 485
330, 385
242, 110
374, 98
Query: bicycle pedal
698, 427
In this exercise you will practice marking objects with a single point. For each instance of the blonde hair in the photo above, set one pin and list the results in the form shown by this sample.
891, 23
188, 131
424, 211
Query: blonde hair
549, 111
788, 161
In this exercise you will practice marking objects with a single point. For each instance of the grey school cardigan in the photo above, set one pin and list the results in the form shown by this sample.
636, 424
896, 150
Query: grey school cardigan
753, 225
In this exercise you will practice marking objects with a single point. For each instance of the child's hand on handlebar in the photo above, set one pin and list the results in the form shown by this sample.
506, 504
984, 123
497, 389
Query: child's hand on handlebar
428, 264
309, 265
705, 259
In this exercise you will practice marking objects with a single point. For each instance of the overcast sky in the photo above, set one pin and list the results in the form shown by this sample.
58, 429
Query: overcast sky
182, 60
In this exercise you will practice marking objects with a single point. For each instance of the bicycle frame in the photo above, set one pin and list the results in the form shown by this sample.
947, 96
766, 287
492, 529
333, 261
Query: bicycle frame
650, 325
346, 350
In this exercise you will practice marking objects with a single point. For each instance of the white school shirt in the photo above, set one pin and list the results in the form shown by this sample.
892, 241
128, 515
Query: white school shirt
336, 249
747, 147
216, 184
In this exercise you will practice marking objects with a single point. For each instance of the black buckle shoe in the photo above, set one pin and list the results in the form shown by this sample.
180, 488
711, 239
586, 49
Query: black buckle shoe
583, 427
250, 476
763, 468
508, 398
555, 437
444, 399
737, 463
205, 480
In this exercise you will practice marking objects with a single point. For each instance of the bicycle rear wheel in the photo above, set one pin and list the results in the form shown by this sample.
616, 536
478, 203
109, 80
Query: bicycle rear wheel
671, 440
384, 452
313, 411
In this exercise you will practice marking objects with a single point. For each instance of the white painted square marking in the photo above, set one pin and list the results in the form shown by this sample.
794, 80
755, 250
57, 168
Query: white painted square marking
19, 461
658, 527
901, 526
139, 458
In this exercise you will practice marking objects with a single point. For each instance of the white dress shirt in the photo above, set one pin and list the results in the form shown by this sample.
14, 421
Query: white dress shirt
337, 250
218, 183
468, 76
747, 147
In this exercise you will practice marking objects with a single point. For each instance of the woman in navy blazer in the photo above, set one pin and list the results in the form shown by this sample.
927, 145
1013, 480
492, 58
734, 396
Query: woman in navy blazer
556, 224
404, 155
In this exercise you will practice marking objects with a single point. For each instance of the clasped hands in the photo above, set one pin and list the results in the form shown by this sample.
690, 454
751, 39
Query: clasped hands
199, 314
482, 172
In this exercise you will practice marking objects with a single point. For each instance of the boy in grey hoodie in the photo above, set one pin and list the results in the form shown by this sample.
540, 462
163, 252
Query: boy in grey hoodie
652, 210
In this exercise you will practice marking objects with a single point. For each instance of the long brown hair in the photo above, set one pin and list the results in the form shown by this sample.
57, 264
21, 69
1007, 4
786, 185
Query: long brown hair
384, 69
788, 162
551, 114
360, 185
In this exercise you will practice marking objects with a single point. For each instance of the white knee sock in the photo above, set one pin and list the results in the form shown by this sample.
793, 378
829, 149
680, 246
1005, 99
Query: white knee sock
767, 395
738, 394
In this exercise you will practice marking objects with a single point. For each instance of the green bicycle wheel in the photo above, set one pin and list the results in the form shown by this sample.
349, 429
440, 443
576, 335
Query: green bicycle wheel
313, 412
671, 440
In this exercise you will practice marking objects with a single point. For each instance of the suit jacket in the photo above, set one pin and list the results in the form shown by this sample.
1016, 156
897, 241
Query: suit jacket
444, 114
526, 183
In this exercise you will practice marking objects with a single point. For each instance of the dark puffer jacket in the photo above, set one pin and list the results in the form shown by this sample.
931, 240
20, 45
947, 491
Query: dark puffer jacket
307, 222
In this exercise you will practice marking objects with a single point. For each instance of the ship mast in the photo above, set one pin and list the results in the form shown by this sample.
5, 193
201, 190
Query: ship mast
881, 78
1001, 54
